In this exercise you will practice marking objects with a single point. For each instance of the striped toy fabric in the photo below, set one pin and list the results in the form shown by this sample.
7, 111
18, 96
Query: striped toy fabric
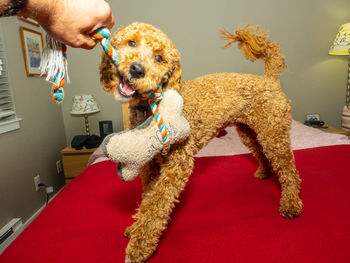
346, 118
103, 35
154, 98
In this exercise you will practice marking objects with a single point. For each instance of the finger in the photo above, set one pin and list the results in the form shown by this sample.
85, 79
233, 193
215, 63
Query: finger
83, 41
109, 25
108, 16
88, 43
111, 22
104, 17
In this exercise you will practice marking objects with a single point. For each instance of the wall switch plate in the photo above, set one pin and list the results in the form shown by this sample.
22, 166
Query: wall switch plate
37, 182
59, 166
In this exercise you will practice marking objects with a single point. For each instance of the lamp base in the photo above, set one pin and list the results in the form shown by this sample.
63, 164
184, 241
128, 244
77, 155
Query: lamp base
345, 119
348, 86
87, 129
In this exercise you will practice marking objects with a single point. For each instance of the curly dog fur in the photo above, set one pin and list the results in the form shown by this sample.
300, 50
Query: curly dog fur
254, 104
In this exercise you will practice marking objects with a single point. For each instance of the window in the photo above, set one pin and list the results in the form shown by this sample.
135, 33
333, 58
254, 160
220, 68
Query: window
8, 119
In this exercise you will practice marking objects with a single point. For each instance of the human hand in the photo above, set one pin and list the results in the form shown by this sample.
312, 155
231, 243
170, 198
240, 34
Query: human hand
71, 21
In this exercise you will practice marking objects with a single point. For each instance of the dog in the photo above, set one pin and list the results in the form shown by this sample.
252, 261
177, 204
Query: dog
254, 104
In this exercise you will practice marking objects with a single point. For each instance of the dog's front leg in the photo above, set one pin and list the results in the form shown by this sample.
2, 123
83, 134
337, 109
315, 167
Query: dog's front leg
157, 204
149, 176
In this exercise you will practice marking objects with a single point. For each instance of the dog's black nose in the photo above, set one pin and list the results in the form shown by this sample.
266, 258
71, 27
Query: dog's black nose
137, 71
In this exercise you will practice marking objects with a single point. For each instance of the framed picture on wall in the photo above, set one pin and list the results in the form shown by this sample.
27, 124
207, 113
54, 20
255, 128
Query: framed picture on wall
28, 20
32, 45
312, 117
106, 127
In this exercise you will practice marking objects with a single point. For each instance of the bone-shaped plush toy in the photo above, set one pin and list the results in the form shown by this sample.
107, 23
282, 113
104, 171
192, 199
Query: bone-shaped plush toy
132, 149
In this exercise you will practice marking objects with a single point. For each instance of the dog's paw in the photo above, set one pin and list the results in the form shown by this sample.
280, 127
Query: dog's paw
127, 231
140, 247
290, 208
263, 172
127, 260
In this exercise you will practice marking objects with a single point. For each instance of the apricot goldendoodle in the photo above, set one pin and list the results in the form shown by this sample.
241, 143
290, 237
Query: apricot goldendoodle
254, 104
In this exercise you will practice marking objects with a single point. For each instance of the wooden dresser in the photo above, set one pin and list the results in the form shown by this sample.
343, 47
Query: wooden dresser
74, 161
331, 129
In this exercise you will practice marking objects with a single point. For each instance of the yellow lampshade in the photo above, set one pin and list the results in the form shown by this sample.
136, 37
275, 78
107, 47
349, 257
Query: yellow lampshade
341, 44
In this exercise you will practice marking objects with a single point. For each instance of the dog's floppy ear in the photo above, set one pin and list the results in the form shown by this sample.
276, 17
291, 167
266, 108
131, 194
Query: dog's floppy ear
175, 77
108, 74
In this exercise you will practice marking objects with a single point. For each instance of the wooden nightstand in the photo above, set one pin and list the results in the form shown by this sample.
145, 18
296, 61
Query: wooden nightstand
74, 161
331, 129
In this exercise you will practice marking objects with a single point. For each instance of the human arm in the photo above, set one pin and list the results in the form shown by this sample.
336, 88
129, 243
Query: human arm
3, 5
69, 21
10, 8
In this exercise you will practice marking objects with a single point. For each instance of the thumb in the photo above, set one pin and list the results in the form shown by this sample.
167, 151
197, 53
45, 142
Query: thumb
86, 42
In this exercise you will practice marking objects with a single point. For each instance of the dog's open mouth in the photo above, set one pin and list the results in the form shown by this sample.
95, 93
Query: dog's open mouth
125, 88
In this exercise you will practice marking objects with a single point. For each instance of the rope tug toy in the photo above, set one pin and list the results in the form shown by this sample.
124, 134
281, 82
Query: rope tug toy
57, 91
103, 35
54, 63
154, 98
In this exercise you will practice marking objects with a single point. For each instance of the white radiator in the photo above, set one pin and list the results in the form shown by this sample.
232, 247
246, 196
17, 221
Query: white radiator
9, 232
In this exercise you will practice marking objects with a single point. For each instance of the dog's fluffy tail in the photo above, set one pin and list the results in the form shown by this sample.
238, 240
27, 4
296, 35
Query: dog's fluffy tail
255, 44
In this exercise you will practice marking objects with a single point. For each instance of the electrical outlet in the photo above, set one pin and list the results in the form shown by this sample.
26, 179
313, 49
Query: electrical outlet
49, 190
37, 182
59, 166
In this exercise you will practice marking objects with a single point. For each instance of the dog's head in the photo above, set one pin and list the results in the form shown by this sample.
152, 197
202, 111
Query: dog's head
147, 59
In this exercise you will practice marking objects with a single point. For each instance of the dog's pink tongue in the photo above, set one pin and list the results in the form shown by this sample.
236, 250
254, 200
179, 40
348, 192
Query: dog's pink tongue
126, 88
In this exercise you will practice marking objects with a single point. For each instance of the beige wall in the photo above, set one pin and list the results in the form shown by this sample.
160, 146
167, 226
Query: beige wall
35, 147
84, 76
314, 81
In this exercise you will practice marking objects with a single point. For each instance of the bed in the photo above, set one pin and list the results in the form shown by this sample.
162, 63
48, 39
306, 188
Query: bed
224, 214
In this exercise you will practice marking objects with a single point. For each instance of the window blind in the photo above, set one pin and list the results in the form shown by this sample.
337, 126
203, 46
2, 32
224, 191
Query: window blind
8, 119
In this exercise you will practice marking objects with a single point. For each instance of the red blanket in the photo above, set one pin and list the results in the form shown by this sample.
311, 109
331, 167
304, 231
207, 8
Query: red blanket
225, 215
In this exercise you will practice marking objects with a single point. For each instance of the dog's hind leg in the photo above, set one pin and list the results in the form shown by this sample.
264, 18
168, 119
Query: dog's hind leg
275, 143
157, 204
248, 137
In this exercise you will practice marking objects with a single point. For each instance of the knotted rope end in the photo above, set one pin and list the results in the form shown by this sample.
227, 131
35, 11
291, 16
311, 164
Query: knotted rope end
53, 62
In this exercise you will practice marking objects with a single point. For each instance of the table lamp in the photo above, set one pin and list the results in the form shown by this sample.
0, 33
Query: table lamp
341, 46
84, 105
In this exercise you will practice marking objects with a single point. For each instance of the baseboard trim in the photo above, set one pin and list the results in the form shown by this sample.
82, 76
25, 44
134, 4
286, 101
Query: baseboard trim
41, 208
10, 239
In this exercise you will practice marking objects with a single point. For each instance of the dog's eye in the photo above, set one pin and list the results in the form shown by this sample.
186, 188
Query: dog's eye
132, 43
159, 58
